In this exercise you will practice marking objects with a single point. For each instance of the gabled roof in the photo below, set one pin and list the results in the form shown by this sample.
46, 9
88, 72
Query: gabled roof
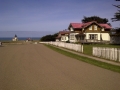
76, 25
84, 25
106, 26
62, 33
89, 23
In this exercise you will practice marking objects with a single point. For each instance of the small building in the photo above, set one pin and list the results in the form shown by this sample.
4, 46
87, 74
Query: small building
63, 36
89, 32
29, 40
15, 38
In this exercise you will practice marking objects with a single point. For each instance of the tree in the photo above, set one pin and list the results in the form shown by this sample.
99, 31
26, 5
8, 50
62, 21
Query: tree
49, 37
94, 18
117, 14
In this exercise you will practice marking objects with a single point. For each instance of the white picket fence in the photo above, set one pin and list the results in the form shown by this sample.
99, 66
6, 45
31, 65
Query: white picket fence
75, 47
107, 53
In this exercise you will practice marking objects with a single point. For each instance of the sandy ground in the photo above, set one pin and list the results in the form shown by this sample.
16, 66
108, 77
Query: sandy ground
36, 67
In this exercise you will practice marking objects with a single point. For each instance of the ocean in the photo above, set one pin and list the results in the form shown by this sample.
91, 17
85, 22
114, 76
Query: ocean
19, 38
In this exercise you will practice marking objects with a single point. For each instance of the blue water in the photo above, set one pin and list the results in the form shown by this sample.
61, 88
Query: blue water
19, 38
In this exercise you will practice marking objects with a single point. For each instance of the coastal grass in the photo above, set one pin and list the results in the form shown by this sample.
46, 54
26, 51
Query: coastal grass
9, 42
86, 59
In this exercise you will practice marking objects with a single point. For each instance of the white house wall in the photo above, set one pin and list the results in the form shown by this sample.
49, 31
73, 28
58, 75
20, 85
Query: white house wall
105, 36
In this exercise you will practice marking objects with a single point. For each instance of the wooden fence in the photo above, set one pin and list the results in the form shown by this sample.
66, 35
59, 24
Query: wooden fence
75, 47
107, 53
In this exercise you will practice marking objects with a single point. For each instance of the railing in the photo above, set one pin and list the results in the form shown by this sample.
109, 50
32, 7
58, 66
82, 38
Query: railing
75, 47
93, 41
107, 53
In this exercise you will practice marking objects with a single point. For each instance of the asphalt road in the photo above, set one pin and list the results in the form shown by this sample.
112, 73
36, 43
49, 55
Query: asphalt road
36, 67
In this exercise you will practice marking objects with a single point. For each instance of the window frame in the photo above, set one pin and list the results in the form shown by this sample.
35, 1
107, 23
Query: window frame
90, 28
72, 37
93, 36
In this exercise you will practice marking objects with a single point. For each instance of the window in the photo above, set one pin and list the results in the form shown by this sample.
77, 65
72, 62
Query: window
95, 27
71, 37
90, 28
102, 29
65, 37
62, 38
93, 36
71, 29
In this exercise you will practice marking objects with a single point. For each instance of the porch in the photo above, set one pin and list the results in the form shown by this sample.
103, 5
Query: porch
93, 41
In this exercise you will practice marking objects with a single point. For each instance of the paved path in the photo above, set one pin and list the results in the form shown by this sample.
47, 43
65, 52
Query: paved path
36, 67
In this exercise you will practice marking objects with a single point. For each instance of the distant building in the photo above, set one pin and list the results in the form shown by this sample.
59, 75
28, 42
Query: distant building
63, 36
15, 38
29, 39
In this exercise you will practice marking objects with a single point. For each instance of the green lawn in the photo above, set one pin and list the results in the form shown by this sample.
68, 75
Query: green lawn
87, 49
86, 59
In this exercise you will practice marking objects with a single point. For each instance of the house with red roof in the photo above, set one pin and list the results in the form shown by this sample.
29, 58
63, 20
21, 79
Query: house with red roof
63, 36
89, 32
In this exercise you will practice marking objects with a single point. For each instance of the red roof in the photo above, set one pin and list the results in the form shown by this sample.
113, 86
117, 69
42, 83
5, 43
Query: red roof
88, 23
105, 26
62, 33
76, 25
83, 25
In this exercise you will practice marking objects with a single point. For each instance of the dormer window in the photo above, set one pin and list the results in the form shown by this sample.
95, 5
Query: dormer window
83, 29
71, 29
95, 27
90, 28
102, 29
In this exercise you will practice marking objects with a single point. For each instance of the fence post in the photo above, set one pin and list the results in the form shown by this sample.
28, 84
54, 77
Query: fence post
119, 55
107, 53
115, 54
93, 51
82, 48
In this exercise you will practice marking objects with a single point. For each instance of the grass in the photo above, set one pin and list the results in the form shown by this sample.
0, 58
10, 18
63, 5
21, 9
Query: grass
87, 60
88, 48
9, 42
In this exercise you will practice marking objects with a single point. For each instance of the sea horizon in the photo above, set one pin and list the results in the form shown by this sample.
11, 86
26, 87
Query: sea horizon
19, 38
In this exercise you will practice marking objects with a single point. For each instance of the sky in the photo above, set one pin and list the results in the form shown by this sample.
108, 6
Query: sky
42, 17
